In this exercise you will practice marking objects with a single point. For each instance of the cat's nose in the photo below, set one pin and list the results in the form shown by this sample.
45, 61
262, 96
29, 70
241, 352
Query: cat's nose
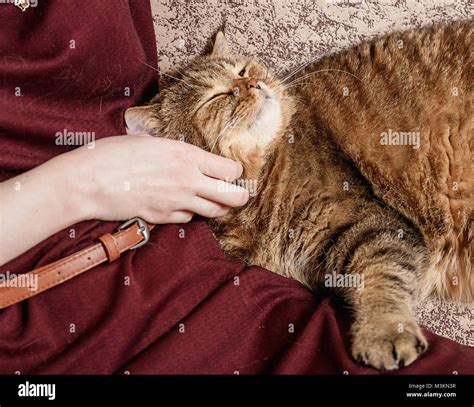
252, 83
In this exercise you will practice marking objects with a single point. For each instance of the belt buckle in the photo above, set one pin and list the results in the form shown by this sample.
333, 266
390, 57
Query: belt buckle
142, 228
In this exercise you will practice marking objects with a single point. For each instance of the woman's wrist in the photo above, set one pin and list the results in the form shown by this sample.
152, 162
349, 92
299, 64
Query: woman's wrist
71, 186
39, 203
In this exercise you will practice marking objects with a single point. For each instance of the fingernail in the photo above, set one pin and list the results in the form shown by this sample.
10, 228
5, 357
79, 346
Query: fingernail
240, 169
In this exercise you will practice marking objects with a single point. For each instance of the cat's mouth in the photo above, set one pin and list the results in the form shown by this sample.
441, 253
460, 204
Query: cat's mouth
257, 119
265, 91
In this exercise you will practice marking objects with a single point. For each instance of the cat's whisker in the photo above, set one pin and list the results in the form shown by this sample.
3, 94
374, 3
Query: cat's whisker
171, 76
179, 80
168, 75
149, 66
280, 70
182, 74
299, 69
297, 80
280, 87
294, 71
287, 69
293, 98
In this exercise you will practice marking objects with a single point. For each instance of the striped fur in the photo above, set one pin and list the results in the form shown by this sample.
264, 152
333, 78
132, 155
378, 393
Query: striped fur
333, 203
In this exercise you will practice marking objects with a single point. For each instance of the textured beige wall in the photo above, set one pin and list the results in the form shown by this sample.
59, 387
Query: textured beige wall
285, 34
288, 32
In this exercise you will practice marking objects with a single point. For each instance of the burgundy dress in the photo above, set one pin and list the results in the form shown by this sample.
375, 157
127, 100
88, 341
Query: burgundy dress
178, 304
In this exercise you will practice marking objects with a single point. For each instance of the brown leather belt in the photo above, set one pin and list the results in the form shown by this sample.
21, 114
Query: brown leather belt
131, 235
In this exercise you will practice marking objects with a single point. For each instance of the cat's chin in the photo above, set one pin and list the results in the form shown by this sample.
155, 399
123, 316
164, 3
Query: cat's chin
266, 123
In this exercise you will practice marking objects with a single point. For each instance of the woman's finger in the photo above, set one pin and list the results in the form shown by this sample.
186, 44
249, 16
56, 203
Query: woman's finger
222, 192
218, 167
206, 208
180, 217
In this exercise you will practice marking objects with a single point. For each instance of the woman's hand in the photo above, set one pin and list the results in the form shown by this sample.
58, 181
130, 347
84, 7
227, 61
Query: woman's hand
160, 180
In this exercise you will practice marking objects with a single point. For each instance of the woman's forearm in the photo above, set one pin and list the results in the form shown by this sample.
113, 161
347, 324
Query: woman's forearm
160, 180
37, 204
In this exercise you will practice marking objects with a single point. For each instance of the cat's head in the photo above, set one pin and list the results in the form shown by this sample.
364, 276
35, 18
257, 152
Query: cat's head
227, 104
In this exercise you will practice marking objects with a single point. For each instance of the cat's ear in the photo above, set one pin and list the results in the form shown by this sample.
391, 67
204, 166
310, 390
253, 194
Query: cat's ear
139, 120
221, 47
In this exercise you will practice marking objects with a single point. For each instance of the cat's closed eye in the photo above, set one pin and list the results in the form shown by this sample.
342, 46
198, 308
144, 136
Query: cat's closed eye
213, 97
242, 73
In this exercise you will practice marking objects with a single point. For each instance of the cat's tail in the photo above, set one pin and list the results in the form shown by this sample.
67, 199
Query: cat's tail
451, 270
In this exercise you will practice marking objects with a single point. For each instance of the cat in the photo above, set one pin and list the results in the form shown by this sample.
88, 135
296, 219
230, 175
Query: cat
362, 163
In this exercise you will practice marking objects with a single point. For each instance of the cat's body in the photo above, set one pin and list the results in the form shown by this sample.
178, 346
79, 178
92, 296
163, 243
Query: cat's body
320, 196
331, 197
419, 83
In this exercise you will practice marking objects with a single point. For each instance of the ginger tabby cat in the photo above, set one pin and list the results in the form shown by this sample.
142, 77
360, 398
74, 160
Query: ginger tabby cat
363, 167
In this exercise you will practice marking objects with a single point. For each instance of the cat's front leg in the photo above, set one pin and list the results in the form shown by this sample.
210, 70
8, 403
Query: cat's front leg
386, 260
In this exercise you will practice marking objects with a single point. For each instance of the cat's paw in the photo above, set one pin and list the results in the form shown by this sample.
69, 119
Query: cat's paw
387, 345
